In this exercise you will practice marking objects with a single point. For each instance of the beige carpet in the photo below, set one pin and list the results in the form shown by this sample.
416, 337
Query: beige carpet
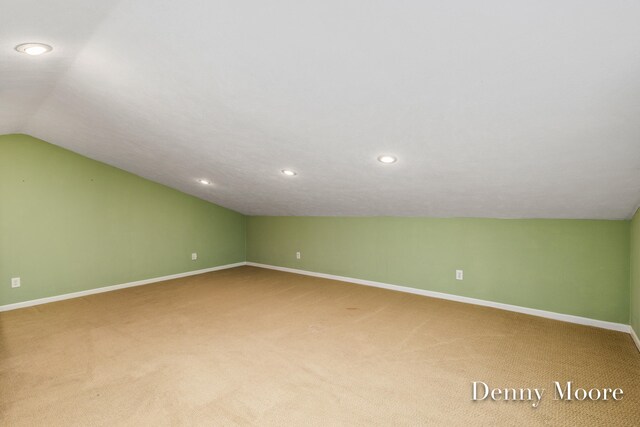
257, 347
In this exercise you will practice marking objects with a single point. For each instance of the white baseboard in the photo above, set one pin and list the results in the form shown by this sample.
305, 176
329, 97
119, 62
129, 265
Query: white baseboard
114, 287
531, 311
635, 337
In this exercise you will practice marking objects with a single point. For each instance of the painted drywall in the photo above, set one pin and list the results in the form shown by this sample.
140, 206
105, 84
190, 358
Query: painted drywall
504, 108
69, 223
578, 267
634, 280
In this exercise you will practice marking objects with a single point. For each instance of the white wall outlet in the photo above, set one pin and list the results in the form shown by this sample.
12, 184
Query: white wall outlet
459, 275
298, 255
194, 256
15, 282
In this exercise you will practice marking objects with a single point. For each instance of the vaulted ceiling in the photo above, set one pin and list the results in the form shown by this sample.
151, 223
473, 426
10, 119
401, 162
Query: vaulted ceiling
494, 109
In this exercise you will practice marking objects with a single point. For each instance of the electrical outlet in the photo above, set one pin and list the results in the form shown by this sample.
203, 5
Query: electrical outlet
194, 256
15, 282
459, 275
298, 255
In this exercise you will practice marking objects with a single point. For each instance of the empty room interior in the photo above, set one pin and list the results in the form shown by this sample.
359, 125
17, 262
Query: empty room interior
319, 213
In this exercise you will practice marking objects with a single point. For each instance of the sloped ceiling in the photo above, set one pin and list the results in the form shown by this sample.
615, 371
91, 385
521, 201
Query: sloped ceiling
495, 108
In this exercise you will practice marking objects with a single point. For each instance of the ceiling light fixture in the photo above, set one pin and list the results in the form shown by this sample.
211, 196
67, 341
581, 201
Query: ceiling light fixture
288, 172
34, 49
387, 159
204, 181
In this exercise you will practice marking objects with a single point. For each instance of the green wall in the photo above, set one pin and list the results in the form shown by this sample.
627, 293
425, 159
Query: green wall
635, 274
68, 223
575, 267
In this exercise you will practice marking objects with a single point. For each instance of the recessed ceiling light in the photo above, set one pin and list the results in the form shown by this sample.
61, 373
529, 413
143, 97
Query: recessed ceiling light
288, 172
387, 159
204, 181
34, 49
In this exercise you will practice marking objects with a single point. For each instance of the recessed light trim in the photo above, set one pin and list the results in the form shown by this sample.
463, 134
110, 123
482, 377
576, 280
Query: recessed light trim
204, 181
288, 172
387, 159
34, 49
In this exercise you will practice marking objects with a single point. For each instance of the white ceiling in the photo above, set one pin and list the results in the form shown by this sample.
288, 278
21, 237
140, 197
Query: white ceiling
494, 108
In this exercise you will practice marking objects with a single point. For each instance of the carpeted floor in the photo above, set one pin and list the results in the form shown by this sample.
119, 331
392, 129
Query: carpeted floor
250, 346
